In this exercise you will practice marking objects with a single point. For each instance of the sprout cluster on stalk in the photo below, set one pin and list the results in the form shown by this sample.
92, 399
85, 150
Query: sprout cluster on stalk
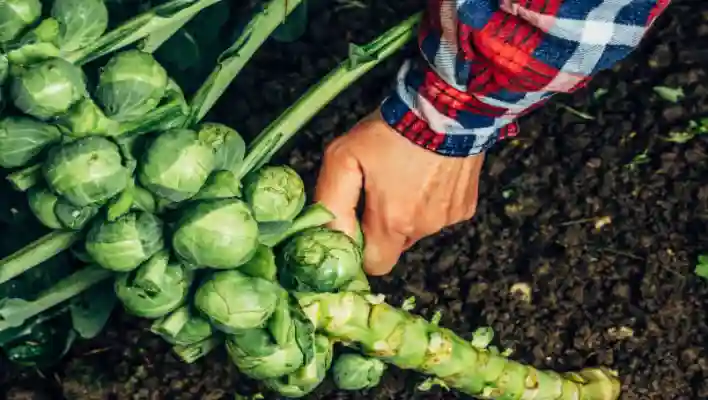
194, 229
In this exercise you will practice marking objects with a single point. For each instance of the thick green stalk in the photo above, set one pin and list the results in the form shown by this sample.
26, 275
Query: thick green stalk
36, 253
410, 342
14, 312
162, 17
231, 61
360, 61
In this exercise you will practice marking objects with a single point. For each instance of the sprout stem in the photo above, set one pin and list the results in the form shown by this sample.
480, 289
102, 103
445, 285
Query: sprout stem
233, 59
312, 216
25, 178
65, 289
360, 61
193, 352
150, 276
171, 324
165, 15
36, 253
409, 342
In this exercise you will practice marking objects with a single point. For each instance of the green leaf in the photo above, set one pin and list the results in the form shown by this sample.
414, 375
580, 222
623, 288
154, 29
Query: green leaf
90, 310
44, 344
702, 266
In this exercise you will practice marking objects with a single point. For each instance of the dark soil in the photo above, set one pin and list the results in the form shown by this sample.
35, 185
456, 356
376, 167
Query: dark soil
542, 201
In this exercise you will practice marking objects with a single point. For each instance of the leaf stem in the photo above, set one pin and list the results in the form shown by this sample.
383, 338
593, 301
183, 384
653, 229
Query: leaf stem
25, 178
233, 59
295, 117
193, 352
171, 324
154, 20
64, 290
36, 253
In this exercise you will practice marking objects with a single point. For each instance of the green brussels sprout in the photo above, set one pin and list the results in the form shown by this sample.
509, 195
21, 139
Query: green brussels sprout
49, 88
16, 16
306, 379
176, 165
281, 347
23, 138
131, 85
356, 372
87, 171
262, 264
182, 327
57, 213
81, 22
275, 193
231, 148
320, 260
256, 355
124, 244
156, 288
217, 233
234, 301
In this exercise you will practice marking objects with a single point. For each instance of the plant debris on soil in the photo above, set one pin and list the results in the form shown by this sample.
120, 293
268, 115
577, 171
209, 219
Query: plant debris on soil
599, 221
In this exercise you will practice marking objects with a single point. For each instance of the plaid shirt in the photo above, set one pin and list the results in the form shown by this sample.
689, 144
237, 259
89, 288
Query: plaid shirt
487, 62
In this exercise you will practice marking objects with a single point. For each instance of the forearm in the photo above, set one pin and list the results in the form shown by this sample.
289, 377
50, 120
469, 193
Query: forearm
485, 63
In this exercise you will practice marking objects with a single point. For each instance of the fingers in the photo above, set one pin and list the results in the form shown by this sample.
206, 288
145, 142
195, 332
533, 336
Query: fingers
383, 246
339, 186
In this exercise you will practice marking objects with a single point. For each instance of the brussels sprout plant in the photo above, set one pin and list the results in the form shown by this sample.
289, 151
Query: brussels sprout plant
131, 153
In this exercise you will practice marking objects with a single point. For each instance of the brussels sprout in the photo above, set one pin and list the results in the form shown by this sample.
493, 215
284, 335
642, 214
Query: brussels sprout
156, 288
262, 264
256, 355
320, 260
23, 138
304, 380
231, 148
130, 85
275, 193
281, 347
48, 89
234, 301
56, 213
176, 165
216, 233
16, 16
122, 245
81, 22
356, 372
182, 327
87, 171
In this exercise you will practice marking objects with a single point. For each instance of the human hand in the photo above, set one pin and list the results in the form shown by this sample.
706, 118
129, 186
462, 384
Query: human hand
409, 192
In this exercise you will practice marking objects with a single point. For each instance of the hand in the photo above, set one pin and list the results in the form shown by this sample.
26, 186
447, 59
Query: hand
410, 192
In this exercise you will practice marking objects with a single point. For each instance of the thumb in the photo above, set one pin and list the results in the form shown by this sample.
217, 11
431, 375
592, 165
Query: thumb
338, 188
383, 247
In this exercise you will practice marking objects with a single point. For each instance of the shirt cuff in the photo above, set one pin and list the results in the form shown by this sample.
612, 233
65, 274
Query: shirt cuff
436, 116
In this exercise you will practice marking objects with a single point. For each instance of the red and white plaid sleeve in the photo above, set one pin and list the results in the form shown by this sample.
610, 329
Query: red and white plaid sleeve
487, 62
